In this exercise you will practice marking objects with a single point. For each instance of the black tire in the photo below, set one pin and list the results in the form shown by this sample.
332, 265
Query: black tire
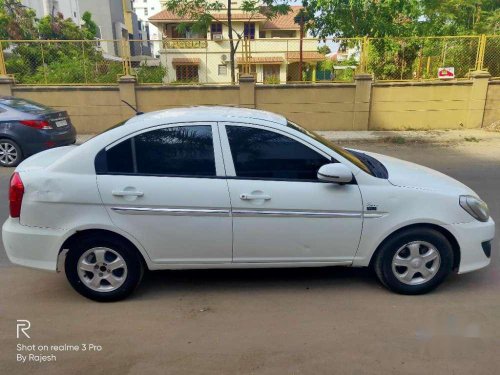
383, 263
4, 162
131, 274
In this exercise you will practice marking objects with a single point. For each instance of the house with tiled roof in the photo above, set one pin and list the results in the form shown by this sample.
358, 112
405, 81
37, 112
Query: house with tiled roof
273, 48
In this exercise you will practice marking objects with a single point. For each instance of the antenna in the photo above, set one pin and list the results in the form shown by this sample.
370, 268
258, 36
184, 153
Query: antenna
135, 109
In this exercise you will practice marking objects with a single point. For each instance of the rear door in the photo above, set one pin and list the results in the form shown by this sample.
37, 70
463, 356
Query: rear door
166, 187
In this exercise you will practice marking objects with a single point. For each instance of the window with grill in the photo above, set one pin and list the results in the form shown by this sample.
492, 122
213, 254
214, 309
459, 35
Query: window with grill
249, 30
215, 29
187, 73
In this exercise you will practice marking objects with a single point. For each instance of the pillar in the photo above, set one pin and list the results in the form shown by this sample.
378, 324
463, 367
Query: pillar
362, 99
126, 86
477, 99
6, 83
247, 91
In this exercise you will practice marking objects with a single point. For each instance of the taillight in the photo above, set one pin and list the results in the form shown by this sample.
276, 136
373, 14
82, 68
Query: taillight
16, 193
37, 124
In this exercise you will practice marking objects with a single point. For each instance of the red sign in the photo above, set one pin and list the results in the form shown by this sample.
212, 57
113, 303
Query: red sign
446, 73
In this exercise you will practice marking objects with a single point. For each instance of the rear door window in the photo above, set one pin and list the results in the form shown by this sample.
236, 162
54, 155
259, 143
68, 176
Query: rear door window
185, 151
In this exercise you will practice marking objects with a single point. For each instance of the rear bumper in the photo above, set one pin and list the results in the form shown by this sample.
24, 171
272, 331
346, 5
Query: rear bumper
470, 237
31, 246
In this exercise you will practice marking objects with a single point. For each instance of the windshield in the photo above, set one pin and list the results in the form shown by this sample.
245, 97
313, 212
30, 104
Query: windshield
339, 150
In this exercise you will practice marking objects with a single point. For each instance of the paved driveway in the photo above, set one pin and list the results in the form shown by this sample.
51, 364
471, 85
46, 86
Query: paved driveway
295, 321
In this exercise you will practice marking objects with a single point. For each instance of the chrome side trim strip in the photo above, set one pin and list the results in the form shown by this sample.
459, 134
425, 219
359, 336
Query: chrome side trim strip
318, 214
244, 213
171, 211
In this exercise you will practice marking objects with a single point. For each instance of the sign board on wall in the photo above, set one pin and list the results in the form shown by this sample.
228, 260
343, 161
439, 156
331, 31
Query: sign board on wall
446, 73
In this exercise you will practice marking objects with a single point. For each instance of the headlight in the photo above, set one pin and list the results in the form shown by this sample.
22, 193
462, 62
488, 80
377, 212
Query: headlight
475, 207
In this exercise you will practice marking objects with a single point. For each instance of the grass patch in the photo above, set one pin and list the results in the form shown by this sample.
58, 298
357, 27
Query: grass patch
471, 139
396, 140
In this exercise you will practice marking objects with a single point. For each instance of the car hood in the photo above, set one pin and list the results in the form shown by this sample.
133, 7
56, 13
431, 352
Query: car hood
406, 174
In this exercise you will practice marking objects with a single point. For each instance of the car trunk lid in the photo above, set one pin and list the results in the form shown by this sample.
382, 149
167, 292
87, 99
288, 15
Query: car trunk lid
59, 120
44, 158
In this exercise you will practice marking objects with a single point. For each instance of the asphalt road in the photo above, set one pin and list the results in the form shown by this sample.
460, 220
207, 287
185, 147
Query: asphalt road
288, 321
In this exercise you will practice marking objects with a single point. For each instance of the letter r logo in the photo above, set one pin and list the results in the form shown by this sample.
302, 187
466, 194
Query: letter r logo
23, 326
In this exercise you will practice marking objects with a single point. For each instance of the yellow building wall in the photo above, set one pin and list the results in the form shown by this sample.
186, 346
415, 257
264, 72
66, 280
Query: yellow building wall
155, 98
317, 107
92, 109
399, 106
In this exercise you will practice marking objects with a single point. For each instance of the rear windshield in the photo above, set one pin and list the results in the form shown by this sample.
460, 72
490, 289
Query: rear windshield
24, 105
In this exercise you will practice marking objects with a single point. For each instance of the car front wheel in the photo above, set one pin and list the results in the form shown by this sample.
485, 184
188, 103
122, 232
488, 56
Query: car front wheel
103, 269
414, 261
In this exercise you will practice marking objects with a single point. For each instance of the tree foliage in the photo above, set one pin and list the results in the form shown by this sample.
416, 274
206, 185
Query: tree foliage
382, 18
399, 50
52, 62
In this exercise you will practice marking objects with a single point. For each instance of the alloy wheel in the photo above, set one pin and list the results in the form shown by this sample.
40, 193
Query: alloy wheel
102, 269
416, 263
8, 153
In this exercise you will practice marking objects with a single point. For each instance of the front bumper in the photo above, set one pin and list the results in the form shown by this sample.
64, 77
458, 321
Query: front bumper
32, 246
470, 237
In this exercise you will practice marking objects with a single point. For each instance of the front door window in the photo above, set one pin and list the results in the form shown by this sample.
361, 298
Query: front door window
264, 154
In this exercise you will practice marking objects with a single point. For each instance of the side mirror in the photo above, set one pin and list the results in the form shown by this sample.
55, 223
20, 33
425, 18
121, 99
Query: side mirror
335, 172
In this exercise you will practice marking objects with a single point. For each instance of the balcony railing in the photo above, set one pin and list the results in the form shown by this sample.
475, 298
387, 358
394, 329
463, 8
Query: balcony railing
184, 43
260, 45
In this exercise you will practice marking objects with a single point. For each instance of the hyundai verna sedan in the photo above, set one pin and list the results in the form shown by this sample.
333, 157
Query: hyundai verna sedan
236, 188
27, 127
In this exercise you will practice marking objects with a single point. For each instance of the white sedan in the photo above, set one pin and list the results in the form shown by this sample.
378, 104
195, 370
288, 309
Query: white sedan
236, 188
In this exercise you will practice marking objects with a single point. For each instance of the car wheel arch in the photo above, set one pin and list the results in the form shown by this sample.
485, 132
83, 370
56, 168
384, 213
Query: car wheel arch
449, 236
89, 232
11, 138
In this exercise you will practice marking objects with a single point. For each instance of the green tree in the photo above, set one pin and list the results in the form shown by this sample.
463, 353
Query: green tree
406, 54
52, 62
458, 17
324, 49
398, 18
200, 14
355, 18
89, 27
16, 21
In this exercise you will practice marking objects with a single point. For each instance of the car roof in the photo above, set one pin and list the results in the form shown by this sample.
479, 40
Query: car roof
216, 113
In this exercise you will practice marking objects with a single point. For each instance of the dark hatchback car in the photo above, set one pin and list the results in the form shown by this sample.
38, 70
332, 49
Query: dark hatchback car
27, 127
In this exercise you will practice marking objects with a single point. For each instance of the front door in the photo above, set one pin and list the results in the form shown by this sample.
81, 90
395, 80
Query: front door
162, 187
281, 212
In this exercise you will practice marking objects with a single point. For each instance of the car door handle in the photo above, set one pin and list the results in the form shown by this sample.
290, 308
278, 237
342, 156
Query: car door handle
127, 193
249, 197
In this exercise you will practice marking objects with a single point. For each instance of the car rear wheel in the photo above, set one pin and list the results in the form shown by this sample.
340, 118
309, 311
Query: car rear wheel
103, 269
414, 261
10, 153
